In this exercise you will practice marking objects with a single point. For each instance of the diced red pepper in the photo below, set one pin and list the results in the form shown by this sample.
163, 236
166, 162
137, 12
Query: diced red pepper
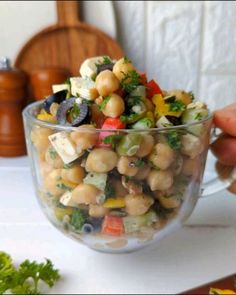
143, 78
152, 89
112, 225
110, 123
120, 92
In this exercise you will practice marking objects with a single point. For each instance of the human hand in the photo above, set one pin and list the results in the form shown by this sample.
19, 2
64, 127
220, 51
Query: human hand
224, 148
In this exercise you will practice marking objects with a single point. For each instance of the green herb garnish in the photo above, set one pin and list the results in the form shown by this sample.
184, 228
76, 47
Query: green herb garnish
140, 163
112, 139
74, 112
127, 60
67, 82
132, 118
174, 139
192, 95
78, 219
52, 153
109, 191
25, 279
134, 100
62, 186
177, 106
68, 166
198, 117
104, 103
106, 60
130, 81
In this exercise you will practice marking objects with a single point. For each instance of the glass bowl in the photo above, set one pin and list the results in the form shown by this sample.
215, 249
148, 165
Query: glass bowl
121, 195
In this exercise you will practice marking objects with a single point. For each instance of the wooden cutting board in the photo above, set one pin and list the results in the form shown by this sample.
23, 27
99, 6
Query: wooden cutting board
66, 44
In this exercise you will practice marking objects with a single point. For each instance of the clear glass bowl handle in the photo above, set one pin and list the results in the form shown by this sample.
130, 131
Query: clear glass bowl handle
215, 185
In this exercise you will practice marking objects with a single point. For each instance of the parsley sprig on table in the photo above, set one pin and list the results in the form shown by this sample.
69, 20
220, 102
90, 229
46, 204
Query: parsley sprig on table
26, 278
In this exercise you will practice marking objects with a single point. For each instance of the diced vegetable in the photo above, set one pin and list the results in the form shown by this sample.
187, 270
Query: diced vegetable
88, 69
143, 78
113, 123
129, 144
162, 108
152, 89
112, 225
47, 118
78, 219
97, 179
132, 118
134, 223
66, 200
139, 91
64, 147
60, 213
130, 81
191, 115
144, 123
84, 88
163, 122
114, 203
56, 97
174, 139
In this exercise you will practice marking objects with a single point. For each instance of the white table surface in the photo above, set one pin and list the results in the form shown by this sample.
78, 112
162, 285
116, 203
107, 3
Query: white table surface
202, 251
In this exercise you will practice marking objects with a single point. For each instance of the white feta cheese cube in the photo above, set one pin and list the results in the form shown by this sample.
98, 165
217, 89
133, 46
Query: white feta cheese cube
84, 88
163, 122
64, 147
59, 87
66, 200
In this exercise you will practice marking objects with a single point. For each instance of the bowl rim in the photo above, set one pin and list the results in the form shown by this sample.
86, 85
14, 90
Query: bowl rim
27, 115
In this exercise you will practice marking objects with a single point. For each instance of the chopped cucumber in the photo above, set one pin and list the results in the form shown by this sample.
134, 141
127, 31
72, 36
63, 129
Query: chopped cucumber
134, 223
97, 179
129, 144
139, 91
144, 123
193, 115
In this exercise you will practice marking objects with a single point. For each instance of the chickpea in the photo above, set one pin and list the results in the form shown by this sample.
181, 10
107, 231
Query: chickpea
51, 182
53, 159
84, 139
39, 137
74, 174
45, 169
191, 145
146, 145
106, 83
101, 160
149, 105
53, 109
191, 166
160, 180
127, 166
97, 211
162, 156
138, 204
181, 95
177, 165
143, 173
121, 67
85, 194
114, 107
168, 201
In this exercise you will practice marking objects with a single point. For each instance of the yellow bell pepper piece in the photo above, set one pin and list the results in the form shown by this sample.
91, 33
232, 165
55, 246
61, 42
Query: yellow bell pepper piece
47, 118
219, 291
162, 108
114, 203
61, 212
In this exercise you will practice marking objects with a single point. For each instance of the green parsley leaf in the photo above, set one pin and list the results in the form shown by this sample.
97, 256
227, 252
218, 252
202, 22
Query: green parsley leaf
62, 186
130, 81
177, 106
74, 112
109, 191
68, 166
67, 82
127, 60
25, 280
132, 118
104, 103
198, 117
78, 219
52, 153
134, 100
173, 139
106, 60
140, 163
112, 139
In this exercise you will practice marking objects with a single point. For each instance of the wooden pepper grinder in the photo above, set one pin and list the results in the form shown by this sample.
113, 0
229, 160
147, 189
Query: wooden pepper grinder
12, 102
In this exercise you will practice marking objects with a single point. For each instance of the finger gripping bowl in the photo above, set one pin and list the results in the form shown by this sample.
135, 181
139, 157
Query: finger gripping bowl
113, 201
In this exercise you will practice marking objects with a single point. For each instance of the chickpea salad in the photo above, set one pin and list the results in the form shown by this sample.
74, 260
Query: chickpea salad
114, 173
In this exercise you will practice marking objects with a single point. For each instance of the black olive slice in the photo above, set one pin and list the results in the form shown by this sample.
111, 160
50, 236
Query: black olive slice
57, 97
63, 109
83, 112
174, 120
169, 99
104, 67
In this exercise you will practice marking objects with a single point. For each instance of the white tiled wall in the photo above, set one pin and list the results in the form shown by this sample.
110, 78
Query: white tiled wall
183, 44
